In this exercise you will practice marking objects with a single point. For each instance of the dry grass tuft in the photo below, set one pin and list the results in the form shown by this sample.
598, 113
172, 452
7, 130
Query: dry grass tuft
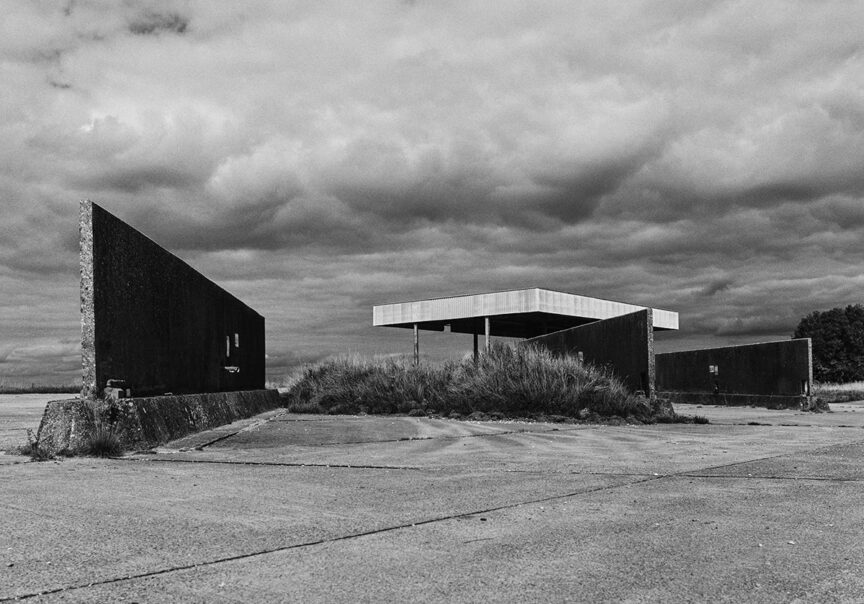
103, 442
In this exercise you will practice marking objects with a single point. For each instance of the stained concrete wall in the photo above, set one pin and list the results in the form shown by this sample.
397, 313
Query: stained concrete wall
140, 423
782, 368
152, 320
624, 343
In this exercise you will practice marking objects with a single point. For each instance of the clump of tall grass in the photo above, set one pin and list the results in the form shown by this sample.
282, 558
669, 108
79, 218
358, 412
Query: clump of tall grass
34, 449
353, 384
103, 441
512, 381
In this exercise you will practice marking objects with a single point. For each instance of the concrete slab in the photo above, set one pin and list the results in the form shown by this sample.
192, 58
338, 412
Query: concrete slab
355, 430
339, 509
536, 447
83, 521
514, 313
841, 415
667, 540
834, 463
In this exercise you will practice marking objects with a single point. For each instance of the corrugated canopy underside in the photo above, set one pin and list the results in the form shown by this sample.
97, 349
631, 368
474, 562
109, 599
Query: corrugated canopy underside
522, 313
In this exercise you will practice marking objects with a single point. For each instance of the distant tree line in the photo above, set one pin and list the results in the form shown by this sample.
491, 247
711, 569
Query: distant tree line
838, 343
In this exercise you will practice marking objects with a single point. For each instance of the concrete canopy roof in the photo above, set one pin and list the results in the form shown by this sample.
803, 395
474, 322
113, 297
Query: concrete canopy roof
521, 313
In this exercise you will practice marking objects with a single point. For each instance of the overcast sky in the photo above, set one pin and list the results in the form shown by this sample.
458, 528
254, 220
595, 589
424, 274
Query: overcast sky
316, 158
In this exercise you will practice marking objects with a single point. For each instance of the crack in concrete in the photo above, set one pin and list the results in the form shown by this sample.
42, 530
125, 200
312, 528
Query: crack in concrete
771, 477
285, 548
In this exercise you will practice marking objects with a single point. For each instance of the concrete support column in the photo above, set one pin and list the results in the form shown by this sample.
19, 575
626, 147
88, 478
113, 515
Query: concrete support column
416, 344
488, 327
476, 350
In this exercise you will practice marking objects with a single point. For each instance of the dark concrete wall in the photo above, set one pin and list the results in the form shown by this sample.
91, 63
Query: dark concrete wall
152, 320
773, 368
625, 344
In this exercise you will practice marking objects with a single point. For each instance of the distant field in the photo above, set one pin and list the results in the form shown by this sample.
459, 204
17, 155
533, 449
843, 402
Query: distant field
33, 388
839, 393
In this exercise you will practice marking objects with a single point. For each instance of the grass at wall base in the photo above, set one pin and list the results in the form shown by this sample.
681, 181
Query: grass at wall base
509, 382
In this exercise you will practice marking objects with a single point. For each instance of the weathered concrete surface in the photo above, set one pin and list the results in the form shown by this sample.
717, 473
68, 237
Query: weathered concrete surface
152, 320
625, 344
141, 423
346, 509
66, 426
18, 413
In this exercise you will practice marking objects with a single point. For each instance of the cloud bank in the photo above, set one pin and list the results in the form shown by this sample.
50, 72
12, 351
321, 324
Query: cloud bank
318, 158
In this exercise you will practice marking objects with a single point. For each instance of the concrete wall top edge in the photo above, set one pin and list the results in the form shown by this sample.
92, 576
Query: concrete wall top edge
749, 344
95, 206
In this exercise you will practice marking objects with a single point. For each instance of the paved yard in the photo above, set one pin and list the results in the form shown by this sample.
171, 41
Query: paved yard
19, 412
759, 505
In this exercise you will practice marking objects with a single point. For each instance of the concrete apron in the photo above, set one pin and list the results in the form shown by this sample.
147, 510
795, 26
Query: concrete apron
141, 423
347, 509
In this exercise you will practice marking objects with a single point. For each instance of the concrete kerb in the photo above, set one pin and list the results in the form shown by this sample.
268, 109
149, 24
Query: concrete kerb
143, 423
739, 400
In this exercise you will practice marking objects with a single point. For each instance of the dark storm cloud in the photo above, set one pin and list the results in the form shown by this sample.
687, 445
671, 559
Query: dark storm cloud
716, 286
154, 23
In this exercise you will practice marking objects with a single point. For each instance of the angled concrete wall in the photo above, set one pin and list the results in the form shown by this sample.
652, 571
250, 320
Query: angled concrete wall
783, 369
140, 423
150, 319
625, 344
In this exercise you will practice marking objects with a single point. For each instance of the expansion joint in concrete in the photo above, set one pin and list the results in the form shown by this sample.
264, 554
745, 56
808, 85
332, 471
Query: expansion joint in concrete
774, 477
286, 464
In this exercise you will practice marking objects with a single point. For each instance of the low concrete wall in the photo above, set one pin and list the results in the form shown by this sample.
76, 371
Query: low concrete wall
752, 372
739, 400
625, 344
141, 423
65, 426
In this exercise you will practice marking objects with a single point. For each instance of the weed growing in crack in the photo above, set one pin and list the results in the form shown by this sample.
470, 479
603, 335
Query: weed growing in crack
34, 449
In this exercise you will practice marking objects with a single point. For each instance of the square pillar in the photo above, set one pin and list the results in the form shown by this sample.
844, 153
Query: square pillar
488, 329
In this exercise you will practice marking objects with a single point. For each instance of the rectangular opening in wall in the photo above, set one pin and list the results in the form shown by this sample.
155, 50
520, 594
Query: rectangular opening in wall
236, 340
227, 346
